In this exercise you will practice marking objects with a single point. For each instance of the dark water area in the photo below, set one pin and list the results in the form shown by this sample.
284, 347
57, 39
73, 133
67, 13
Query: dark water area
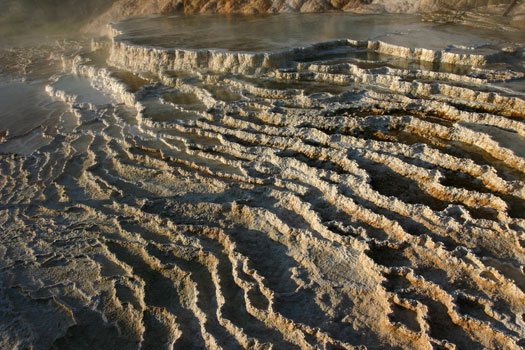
284, 31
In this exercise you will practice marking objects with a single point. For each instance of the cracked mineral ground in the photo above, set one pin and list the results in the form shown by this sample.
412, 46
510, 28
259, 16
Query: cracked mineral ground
294, 181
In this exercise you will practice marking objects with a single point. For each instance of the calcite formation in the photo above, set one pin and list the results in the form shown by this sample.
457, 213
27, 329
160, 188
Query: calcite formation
457, 10
347, 194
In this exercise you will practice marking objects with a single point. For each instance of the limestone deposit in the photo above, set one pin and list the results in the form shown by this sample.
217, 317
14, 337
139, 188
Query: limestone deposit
489, 11
166, 188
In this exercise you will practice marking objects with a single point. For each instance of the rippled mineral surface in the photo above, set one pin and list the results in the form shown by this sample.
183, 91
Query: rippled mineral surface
283, 182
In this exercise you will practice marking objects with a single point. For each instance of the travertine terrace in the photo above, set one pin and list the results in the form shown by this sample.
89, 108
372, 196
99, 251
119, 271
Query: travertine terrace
356, 192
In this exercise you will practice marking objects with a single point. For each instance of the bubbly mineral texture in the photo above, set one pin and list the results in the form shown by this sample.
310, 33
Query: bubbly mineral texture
285, 182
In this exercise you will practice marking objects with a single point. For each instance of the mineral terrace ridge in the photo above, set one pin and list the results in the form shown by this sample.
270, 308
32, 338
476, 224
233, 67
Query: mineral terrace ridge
291, 181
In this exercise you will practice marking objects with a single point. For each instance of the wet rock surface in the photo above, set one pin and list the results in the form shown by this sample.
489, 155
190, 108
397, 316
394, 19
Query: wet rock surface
494, 13
356, 192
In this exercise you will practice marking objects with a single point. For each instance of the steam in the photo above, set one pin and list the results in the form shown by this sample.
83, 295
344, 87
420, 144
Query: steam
21, 17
